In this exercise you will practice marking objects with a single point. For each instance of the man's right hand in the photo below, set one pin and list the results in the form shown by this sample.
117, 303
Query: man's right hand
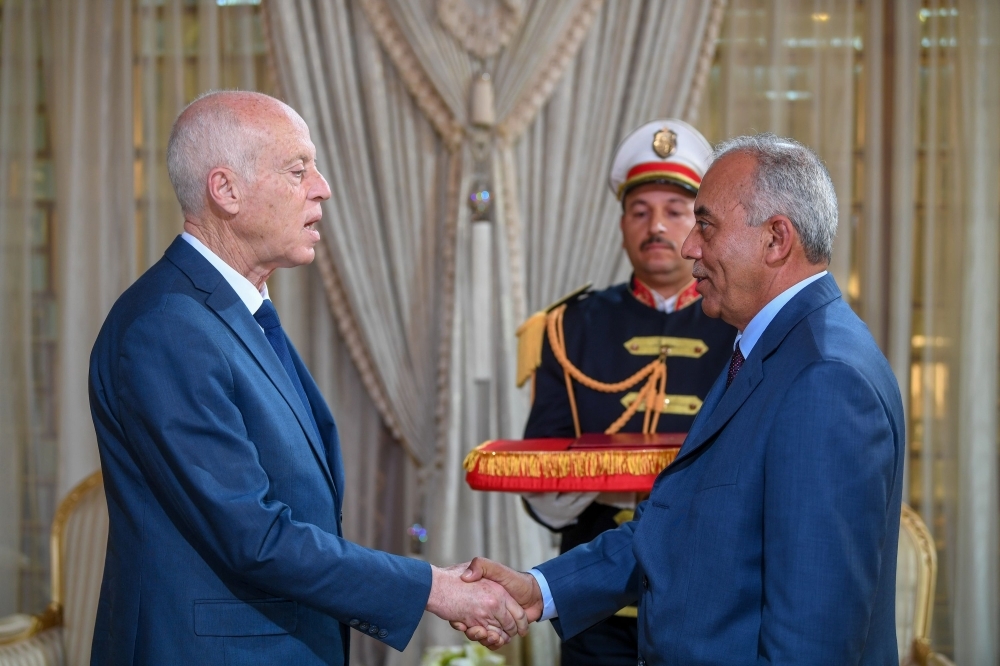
522, 587
476, 603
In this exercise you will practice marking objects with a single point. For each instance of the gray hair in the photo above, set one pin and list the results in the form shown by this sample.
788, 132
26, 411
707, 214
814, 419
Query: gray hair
213, 135
789, 180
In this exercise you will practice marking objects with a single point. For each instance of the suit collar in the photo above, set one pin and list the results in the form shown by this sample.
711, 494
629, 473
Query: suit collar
224, 301
201, 273
722, 403
246, 290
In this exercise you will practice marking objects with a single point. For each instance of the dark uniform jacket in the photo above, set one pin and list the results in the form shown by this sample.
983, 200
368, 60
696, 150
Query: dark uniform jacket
596, 327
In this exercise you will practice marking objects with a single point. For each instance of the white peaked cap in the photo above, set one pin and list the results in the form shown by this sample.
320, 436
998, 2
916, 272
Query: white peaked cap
661, 151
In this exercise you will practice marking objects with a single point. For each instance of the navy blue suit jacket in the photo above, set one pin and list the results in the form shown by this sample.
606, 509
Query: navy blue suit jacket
772, 537
225, 541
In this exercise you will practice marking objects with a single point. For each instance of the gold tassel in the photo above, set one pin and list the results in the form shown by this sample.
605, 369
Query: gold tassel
530, 336
560, 464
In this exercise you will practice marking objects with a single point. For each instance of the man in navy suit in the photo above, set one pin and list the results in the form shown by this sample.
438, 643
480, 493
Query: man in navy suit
772, 537
221, 460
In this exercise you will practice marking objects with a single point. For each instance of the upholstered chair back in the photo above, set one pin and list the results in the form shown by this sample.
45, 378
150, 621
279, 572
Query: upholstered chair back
916, 572
83, 541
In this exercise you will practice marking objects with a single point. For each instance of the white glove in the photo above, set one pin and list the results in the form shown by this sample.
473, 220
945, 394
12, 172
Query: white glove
557, 510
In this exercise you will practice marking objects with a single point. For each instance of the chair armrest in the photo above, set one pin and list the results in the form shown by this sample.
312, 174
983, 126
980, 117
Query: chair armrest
935, 659
19, 627
42, 649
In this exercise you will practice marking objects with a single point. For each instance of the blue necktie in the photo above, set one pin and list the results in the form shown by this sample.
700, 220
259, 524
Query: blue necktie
267, 318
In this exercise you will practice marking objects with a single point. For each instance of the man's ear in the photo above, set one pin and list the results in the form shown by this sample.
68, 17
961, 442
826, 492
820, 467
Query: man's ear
223, 191
781, 237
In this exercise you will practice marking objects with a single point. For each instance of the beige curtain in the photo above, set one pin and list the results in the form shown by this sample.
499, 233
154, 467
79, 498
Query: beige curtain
954, 374
977, 538
788, 68
91, 117
427, 295
18, 96
942, 298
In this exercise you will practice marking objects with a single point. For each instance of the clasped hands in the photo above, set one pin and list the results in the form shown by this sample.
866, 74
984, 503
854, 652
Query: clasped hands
486, 600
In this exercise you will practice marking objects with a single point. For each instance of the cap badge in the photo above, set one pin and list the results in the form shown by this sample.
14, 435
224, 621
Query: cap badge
665, 143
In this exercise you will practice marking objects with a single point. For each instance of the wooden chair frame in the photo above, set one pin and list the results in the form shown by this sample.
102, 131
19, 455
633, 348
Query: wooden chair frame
52, 616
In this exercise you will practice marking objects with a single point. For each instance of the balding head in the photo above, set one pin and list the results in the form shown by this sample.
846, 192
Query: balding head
219, 129
244, 169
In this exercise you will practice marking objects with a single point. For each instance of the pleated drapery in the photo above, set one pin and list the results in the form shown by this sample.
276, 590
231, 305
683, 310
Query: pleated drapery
428, 293
18, 100
91, 117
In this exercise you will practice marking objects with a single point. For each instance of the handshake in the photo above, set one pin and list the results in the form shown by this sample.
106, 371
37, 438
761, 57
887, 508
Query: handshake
486, 600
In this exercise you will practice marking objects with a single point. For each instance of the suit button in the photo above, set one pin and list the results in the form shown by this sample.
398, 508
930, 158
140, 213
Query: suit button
382, 633
373, 630
645, 583
355, 622
642, 662
363, 626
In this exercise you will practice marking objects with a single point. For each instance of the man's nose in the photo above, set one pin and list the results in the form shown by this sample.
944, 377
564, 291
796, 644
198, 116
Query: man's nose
657, 223
690, 249
320, 189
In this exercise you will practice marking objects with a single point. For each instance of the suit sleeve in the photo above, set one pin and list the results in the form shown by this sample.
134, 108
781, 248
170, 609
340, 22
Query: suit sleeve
179, 411
829, 479
594, 580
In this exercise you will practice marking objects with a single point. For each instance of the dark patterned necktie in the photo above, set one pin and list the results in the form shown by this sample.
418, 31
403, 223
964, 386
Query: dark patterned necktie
734, 365
267, 318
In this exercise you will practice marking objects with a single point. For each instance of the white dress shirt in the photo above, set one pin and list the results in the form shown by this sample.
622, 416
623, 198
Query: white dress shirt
243, 287
667, 305
746, 339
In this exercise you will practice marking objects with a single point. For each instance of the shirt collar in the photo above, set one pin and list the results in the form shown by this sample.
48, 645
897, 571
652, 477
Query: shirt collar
248, 293
749, 336
655, 300
667, 305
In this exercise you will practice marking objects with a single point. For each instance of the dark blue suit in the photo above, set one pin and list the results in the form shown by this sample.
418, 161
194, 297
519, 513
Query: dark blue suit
772, 537
225, 543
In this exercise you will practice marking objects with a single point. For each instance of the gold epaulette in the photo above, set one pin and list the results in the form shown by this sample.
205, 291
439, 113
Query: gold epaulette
531, 336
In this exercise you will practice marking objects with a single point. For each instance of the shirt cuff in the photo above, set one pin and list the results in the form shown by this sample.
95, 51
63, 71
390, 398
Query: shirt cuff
548, 603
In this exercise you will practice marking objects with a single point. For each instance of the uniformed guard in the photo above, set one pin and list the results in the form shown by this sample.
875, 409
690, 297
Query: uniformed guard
598, 359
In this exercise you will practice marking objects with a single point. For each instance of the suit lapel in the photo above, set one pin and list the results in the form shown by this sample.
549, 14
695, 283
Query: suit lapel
729, 400
722, 403
227, 304
325, 422
708, 407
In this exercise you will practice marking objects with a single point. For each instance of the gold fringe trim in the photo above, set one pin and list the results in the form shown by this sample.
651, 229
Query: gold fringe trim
561, 464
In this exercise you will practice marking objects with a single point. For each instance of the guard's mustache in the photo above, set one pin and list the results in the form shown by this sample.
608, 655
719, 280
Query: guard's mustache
658, 239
